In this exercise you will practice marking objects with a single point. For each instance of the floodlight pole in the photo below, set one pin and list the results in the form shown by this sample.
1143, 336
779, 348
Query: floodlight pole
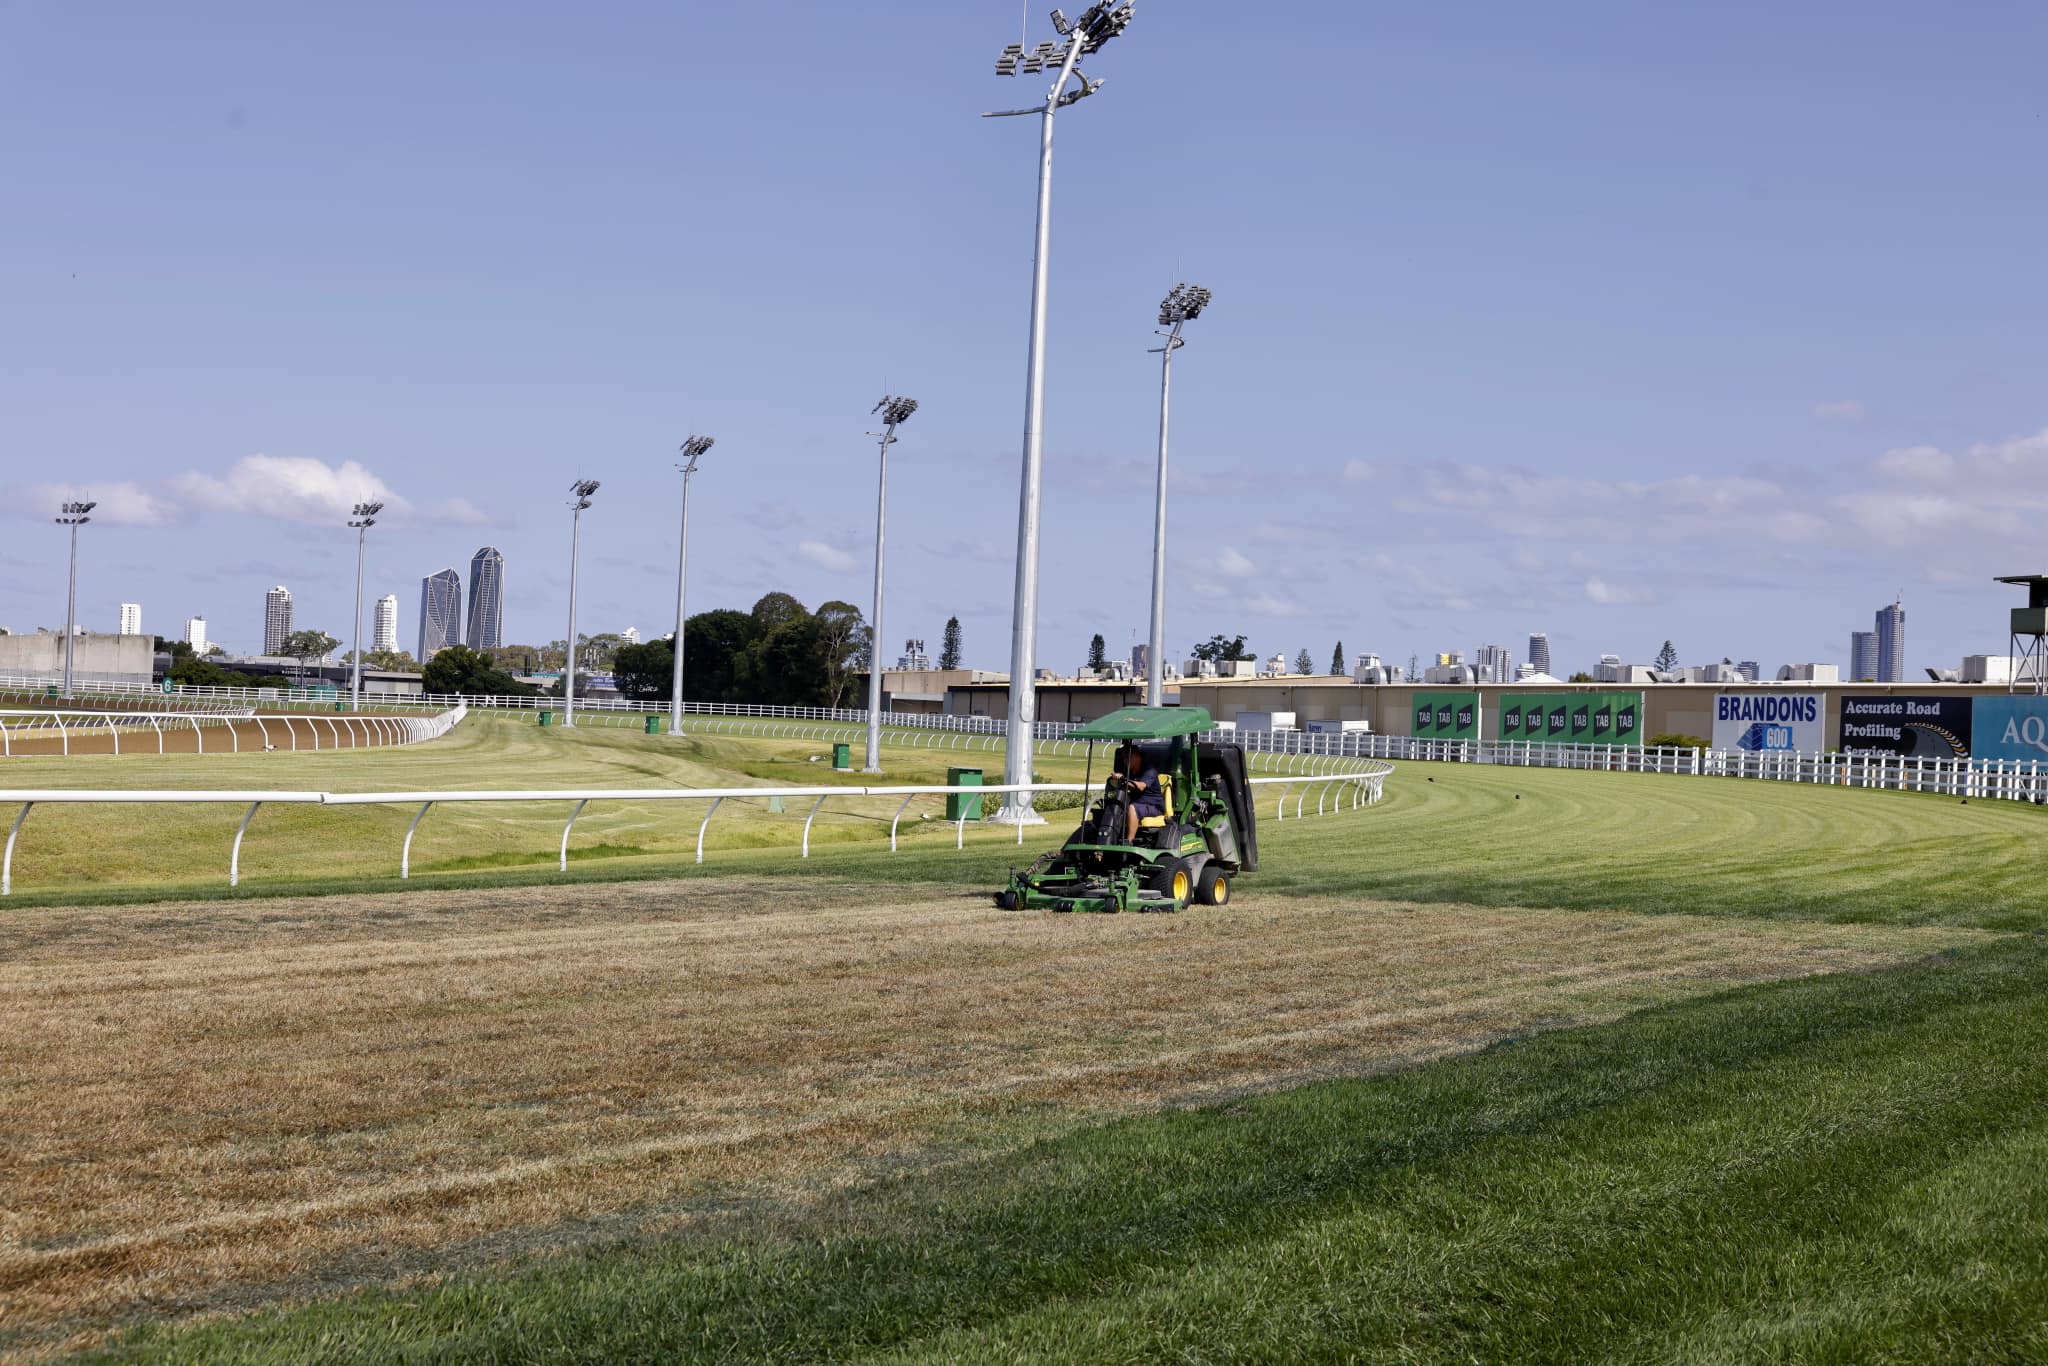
582, 489
1155, 659
692, 449
74, 517
894, 412
1016, 809
365, 518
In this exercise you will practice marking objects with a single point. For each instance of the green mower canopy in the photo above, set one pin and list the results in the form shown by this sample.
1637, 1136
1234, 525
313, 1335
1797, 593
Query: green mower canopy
1145, 723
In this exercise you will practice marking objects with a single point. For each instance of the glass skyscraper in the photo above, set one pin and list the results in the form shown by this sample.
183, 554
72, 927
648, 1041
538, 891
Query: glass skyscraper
1891, 643
1539, 652
486, 599
1862, 656
440, 613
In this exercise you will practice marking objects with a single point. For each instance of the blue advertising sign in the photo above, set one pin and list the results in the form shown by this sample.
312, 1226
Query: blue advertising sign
2009, 728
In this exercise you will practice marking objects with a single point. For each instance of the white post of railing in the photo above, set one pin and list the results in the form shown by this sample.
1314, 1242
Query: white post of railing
7, 864
405, 854
235, 855
807, 823
706, 825
567, 828
897, 817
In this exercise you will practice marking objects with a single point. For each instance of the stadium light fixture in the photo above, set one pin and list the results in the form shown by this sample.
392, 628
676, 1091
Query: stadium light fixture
579, 500
1098, 24
693, 450
1182, 304
73, 515
894, 413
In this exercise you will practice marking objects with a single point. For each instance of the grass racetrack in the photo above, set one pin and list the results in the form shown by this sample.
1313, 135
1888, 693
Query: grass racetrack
1520, 1064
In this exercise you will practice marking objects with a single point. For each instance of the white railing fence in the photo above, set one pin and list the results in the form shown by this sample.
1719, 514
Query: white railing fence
1333, 792
287, 732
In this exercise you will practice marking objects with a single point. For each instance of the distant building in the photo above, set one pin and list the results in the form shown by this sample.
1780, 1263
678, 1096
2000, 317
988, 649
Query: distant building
1891, 643
1750, 670
486, 599
1539, 652
1809, 673
1862, 655
131, 618
277, 619
195, 634
1369, 669
384, 636
629, 636
1141, 661
440, 613
1495, 664
913, 656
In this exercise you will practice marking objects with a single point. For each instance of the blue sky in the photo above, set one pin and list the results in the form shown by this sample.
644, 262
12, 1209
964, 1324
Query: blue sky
1603, 320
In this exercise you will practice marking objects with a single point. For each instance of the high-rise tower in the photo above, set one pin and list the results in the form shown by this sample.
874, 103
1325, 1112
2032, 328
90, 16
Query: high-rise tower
277, 619
440, 613
486, 599
384, 635
1891, 643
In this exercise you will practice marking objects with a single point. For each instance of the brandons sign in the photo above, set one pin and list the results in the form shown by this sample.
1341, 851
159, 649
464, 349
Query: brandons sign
1582, 718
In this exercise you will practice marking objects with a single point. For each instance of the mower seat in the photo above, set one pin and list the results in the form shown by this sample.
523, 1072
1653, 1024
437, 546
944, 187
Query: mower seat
1165, 796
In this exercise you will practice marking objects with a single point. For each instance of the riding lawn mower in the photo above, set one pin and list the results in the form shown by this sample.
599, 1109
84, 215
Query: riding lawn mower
1206, 835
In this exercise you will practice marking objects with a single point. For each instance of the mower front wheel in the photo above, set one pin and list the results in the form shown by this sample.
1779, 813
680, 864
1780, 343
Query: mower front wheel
1175, 878
1212, 888
1007, 900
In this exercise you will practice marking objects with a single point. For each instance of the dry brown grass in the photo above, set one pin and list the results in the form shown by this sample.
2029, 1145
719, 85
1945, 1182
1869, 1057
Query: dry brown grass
208, 1105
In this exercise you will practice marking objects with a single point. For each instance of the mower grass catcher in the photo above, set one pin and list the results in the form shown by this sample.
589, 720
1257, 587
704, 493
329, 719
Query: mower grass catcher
1205, 836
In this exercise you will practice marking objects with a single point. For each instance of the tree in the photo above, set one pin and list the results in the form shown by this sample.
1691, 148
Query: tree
459, 669
1222, 649
949, 646
847, 648
1304, 663
712, 645
775, 609
176, 649
1581, 677
201, 673
396, 661
1667, 658
307, 646
789, 666
645, 673
1337, 660
1098, 654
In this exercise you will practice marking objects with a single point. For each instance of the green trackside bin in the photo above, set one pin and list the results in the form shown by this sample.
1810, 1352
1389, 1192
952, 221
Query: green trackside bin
963, 806
654, 725
842, 757
547, 718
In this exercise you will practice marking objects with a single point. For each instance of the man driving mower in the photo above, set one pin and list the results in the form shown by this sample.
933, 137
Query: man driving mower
1141, 780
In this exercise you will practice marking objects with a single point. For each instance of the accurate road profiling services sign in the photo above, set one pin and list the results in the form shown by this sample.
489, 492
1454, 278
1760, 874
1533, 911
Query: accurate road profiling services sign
1923, 727
1773, 721
1573, 718
1446, 716
2009, 728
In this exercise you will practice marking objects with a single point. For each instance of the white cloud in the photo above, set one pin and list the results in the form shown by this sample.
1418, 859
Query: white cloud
1232, 565
1840, 410
121, 504
825, 556
1616, 595
1359, 472
1273, 605
291, 488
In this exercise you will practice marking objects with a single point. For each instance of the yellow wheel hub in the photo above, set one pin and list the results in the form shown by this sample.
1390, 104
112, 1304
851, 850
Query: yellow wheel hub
1180, 885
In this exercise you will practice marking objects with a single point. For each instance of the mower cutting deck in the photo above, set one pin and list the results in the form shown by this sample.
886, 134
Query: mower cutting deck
1205, 837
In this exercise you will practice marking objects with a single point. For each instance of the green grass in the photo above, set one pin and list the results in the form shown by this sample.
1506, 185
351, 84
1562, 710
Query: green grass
1445, 833
1842, 1168
1829, 1169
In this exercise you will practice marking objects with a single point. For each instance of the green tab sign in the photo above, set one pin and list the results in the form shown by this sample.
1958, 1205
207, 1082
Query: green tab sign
1575, 718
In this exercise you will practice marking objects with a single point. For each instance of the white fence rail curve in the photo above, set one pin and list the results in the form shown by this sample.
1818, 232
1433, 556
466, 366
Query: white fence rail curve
1334, 792
277, 730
